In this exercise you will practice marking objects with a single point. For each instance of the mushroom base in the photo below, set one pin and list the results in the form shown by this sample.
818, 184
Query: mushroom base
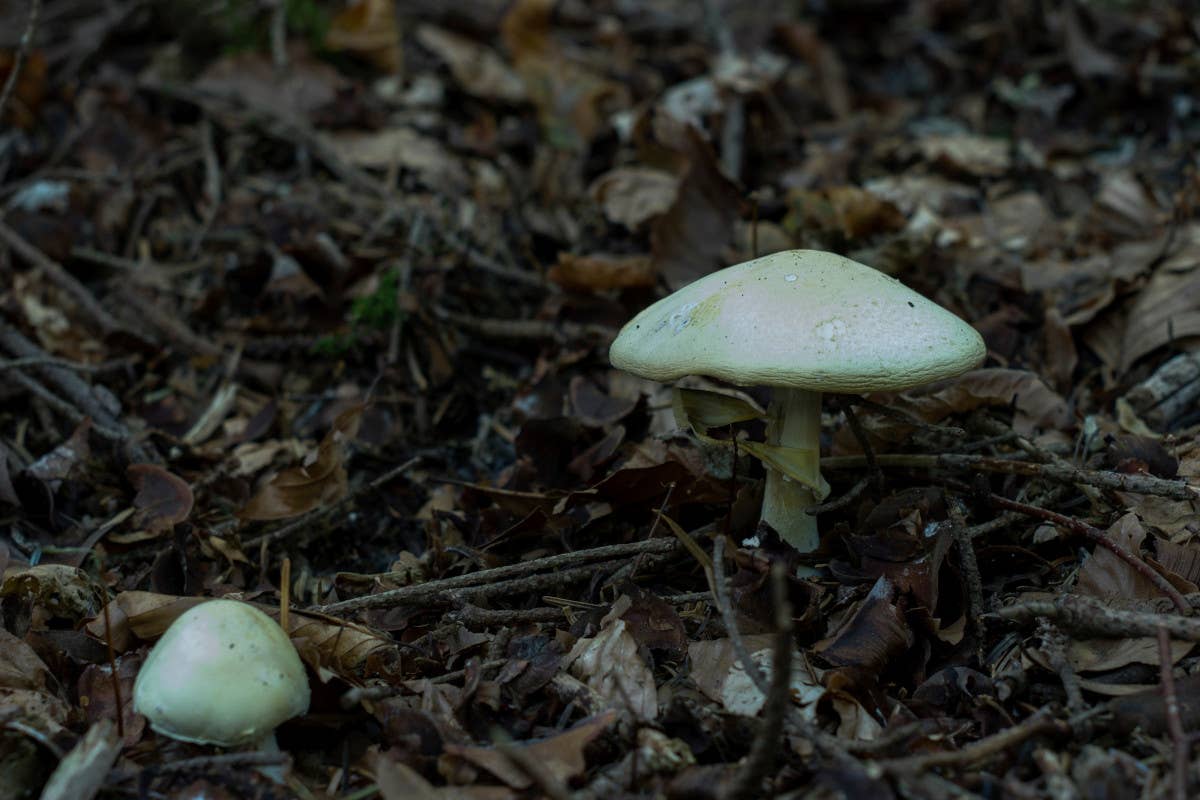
794, 420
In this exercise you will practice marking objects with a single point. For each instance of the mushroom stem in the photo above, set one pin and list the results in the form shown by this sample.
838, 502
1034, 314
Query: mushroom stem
793, 420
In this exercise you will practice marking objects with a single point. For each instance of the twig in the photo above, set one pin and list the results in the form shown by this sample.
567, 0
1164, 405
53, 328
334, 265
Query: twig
436, 591
1054, 646
1103, 479
748, 781
407, 594
65, 363
826, 744
1084, 616
309, 520
79, 393
1098, 537
970, 567
279, 54
874, 473
469, 614
87, 302
841, 500
729, 617
1180, 745
35, 8
63, 407
975, 752
906, 418
560, 331
356, 695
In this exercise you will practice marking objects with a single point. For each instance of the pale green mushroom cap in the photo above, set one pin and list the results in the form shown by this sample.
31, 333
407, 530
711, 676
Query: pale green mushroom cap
802, 319
224, 673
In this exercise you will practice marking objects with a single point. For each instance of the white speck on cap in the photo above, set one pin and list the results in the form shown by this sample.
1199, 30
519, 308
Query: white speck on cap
836, 326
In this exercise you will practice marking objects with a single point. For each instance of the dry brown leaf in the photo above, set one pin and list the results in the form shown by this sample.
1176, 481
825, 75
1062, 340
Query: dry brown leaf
872, 638
573, 102
54, 467
598, 272
846, 211
720, 676
610, 664
1036, 404
81, 774
479, 70
689, 240
1167, 309
62, 590
402, 147
368, 28
320, 481
561, 756
632, 196
1108, 578
163, 499
251, 78
980, 156
20, 666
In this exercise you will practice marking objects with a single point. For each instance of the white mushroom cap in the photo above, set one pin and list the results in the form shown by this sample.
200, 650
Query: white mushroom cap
803, 319
224, 673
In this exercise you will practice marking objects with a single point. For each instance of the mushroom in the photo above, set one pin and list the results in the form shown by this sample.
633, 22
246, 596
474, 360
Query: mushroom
802, 322
224, 673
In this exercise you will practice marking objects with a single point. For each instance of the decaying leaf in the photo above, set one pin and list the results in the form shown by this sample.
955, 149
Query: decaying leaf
479, 70
368, 28
610, 664
602, 272
163, 499
632, 196
561, 756
718, 673
873, 638
320, 481
62, 590
689, 239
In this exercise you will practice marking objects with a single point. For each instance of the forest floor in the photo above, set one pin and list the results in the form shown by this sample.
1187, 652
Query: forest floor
311, 308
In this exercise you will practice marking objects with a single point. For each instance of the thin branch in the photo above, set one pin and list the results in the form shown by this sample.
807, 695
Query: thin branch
765, 749
1180, 744
1103, 479
1100, 538
1084, 616
35, 9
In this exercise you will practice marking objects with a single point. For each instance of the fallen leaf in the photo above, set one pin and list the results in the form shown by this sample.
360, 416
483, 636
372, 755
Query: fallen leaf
979, 156
609, 663
479, 70
84, 770
598, 272
402, 147
561, 756
64, 591
872, 639
368, 28
163, 499
320, 481
719, 675
251, 78
632, 196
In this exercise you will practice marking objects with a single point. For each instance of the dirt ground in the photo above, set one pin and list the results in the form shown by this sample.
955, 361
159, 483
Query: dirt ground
309, 305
